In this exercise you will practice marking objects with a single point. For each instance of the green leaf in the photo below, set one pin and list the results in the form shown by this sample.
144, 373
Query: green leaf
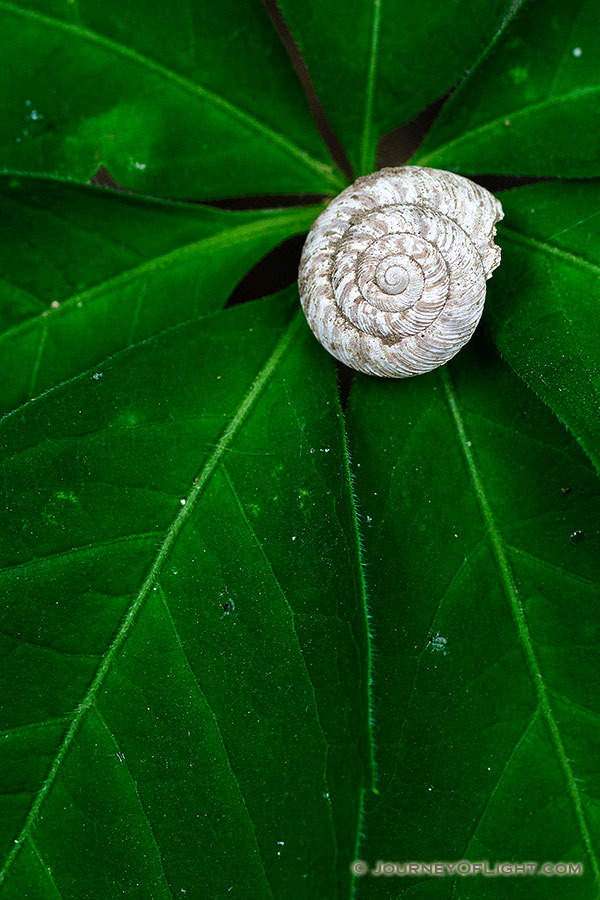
544, 300
85, 272
184, 669
186, 100
532, 105
482, 549
376, 64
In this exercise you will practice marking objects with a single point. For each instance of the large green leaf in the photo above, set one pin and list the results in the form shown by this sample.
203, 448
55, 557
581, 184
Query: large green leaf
482, 549
185, 668
180, 99
544, 301
377, 63
532, 107
84, 272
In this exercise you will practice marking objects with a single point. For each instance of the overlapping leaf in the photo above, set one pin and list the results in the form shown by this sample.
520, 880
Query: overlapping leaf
532, 106
377, 64
85, 272
482, 546
183, 627
185, 665
183, 99
544, 301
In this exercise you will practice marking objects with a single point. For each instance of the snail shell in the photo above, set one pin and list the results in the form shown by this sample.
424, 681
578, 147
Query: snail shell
392, 275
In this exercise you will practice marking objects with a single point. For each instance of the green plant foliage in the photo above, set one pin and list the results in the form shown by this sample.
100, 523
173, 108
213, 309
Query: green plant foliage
194, 702
192, 666
171, 101
532, 105
551, 244
87, 272
481, 531
372, 64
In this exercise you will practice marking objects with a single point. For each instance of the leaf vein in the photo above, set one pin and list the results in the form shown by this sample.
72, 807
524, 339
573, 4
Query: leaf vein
511, 116
511, 592
149, 582
481, 815
44, 866
200, 690
271, 570
123, 761
247, 119
178, 256
71, 551
370, 91
519, 238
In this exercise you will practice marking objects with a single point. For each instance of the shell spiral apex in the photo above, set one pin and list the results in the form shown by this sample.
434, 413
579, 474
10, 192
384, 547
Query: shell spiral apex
392, 275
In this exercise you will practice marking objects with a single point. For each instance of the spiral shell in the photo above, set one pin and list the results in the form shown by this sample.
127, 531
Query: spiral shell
392, 275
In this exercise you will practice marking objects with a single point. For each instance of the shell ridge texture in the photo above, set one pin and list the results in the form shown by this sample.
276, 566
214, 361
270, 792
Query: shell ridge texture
393, 273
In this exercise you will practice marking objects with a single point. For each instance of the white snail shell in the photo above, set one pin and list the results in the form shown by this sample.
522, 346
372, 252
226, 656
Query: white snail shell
392, 275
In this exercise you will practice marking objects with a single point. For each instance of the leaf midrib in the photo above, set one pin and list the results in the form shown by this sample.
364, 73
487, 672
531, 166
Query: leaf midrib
499, 120
510, 590
538, 244
569, 258
365, 150
249, 120
172, 533
179, 255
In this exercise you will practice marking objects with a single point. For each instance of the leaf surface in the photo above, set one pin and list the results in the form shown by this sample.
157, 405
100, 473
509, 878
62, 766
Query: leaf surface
482, 550
184, 665
85, 272
544, 300
531, 107
377, 63
188, 100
